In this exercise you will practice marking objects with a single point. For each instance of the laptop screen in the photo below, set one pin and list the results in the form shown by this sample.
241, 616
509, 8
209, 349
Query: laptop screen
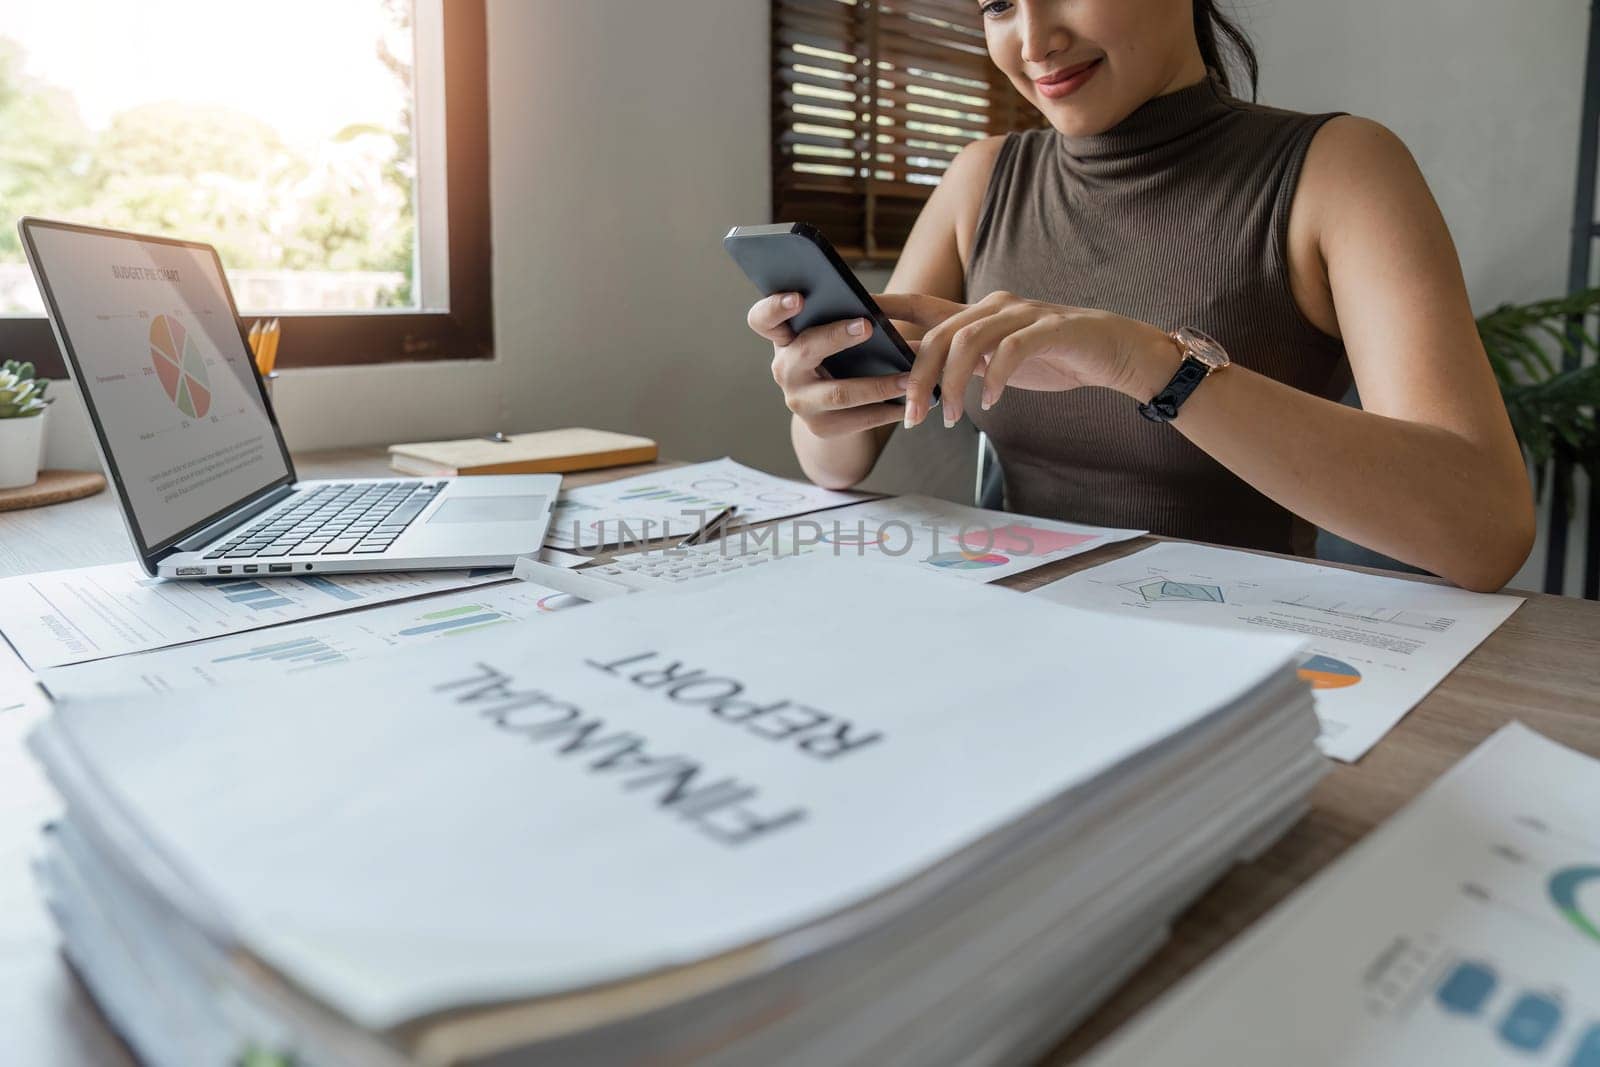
166, 374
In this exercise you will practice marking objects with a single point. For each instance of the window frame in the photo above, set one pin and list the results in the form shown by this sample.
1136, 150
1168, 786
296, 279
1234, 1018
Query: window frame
464, 328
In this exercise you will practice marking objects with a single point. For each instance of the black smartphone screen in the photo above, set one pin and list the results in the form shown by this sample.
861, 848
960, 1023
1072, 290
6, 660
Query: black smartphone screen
794, 257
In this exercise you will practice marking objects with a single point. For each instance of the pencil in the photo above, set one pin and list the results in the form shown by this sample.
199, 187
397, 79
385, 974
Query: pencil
255, 342
269, 339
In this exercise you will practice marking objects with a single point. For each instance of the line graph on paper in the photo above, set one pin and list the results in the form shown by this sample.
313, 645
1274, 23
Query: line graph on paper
1350, 609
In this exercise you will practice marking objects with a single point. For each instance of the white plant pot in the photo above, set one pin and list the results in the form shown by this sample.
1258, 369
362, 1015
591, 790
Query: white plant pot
21, 449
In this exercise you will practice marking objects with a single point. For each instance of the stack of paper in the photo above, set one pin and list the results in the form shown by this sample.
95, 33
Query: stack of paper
1465, 931
823, 815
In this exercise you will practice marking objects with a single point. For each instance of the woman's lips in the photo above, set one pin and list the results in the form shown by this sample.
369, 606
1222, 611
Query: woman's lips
1066, 81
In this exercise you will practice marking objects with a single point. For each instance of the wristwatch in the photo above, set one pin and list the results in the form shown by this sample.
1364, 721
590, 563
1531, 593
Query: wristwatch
1202, 357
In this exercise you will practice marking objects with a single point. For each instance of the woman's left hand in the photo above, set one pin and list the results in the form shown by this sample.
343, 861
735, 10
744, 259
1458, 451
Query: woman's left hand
1007, 340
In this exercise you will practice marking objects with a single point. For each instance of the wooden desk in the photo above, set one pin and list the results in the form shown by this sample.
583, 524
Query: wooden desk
1542, 666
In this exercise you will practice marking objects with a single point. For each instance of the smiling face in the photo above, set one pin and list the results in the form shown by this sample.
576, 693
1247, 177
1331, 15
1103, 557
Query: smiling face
1089, 64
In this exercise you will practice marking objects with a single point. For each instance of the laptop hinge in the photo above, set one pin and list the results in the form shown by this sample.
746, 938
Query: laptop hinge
234, 518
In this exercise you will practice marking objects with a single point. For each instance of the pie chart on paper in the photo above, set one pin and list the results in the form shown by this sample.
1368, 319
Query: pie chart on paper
180, 366
1325, 672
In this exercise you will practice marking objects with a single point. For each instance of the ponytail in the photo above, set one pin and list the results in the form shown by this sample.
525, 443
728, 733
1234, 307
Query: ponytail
1212, 29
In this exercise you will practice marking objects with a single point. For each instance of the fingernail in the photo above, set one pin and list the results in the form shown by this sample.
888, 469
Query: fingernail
791, 301
909, 423
856, 328
988, 400
950, 417
903, 382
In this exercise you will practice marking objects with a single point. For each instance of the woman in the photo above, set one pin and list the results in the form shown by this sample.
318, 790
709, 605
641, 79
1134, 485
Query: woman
1063, 281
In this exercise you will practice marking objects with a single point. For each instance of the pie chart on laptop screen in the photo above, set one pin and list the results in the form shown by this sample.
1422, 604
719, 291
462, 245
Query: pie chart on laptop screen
180, 366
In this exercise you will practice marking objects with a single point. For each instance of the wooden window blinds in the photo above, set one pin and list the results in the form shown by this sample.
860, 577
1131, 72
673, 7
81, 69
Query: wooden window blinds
871, 99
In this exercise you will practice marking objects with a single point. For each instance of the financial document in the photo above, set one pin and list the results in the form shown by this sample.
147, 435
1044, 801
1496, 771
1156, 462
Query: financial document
1374, 646
759, 770
304, 646
916, 532
674, 502
1465, 931
59, 617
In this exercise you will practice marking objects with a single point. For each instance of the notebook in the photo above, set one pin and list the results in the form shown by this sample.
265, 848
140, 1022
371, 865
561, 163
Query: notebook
545, 452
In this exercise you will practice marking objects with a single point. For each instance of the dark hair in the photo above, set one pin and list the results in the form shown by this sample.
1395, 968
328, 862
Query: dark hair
1211, 28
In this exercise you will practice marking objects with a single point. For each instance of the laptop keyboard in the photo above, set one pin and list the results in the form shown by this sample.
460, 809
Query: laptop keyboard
337, 519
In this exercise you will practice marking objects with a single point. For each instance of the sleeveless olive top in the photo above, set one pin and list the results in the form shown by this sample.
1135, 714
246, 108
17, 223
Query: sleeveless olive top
1177, 216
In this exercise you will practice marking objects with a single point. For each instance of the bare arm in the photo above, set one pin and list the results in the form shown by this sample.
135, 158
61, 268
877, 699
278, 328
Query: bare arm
1429, 472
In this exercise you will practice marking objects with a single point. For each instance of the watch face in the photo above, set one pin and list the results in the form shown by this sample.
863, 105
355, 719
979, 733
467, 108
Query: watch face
1202, 347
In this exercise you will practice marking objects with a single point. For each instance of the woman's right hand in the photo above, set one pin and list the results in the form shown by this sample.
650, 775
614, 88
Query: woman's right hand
828, 406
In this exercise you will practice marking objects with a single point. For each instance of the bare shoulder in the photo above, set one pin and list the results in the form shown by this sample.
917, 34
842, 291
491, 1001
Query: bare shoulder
968, 179
976, 160
935, 257
1356, 166
1359, 190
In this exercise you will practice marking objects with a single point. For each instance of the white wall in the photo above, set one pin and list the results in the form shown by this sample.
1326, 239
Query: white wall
626, 139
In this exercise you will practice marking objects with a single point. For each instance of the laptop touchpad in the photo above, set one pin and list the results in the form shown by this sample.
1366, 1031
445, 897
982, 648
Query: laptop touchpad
491, 509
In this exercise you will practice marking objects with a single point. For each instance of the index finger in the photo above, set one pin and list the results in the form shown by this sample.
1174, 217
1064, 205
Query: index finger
919, 309
770, 316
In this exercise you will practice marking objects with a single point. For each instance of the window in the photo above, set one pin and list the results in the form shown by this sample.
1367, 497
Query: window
336, 155
857, 156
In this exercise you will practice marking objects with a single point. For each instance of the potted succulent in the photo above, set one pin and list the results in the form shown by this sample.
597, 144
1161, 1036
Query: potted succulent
22, 405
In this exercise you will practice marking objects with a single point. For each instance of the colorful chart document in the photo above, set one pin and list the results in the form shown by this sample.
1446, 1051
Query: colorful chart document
1465, 931
72, 616
304, 646
918, 532
674, 502
1374, 646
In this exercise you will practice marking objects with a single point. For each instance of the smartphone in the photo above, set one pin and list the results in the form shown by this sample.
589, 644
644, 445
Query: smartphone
793, 257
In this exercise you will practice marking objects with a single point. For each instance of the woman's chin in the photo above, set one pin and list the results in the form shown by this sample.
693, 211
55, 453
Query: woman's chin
1076, 117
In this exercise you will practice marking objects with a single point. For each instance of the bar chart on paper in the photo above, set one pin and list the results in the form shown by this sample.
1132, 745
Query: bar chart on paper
1462, 932
309, 645
252, 595
303, 651
73, 616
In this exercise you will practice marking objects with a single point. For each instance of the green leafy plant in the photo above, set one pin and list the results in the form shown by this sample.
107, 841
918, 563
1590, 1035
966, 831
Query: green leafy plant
21, 394
1552, 410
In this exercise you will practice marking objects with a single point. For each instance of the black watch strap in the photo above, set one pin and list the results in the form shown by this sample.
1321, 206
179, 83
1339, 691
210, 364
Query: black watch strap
1164, 408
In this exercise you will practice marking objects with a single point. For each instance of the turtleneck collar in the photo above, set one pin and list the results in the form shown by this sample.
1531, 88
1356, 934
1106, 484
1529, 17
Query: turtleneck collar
1157, 122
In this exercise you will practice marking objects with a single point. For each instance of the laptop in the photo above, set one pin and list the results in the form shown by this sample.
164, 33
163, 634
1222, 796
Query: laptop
148, 329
